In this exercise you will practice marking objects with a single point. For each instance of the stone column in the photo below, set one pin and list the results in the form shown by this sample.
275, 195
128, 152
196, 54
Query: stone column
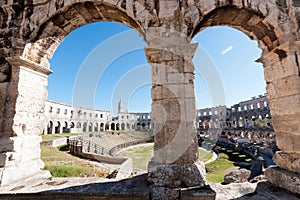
46, 129
61, 128
53, 126
282, 73
20, 139
175, 163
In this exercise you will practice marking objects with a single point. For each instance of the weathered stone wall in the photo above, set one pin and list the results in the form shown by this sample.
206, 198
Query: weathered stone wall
252, 114
33, 29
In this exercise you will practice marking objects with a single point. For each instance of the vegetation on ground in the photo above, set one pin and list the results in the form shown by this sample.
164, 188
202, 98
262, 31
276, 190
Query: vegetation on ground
204, 155
224, 164
142, 154
62, 164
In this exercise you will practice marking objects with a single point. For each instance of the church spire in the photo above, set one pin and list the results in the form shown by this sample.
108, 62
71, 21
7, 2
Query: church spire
121, 106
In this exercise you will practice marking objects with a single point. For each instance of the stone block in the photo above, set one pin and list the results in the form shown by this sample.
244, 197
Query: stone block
176, 175
159, 74
179, 90
26, 141
237, 176
288, 86
164, 193
288, 142
125, 169
4, 157
282, 106
283, 179
173, 142
189, 109
281, 69
175, 78
157, 93
286, 123
6, 144
20, 171
198, 193
288, 161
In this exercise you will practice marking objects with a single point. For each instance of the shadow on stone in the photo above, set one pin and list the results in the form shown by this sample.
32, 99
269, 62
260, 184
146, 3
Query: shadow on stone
133, 189
265, 191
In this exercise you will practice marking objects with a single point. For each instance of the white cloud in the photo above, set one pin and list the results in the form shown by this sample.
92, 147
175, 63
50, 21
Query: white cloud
225, 51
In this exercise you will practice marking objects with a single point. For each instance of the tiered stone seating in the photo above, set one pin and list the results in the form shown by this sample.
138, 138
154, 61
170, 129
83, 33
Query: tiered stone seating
102, 144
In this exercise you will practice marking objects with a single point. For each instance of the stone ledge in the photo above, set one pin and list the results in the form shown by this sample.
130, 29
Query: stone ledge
283, 179
176, 175
204, 193
288, 161
19, 61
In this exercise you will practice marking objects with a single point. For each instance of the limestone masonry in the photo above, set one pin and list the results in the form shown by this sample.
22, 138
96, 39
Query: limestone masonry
31, 30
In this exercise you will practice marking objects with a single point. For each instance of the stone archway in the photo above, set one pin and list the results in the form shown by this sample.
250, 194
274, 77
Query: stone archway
280, 56
29, 66
168, 27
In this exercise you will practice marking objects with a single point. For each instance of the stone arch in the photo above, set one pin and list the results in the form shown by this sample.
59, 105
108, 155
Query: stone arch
257, 24
84, 127
107, 126
112, 127
65, 128
253, 121
234, 122
50, 127
102, 127
123, 126
52, 30
58, 127
240, 122
143, 126
138, 126
268, 122
128, 126
90, 127
200, 126
96, 128
268, 22
117, 126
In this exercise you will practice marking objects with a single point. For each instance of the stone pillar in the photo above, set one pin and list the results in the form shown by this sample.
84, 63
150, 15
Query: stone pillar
20, 139
175, 164
46, 129
53, 127
61, 128
282, 73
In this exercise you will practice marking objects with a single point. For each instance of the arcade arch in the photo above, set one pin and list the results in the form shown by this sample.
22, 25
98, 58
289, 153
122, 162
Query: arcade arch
273, 24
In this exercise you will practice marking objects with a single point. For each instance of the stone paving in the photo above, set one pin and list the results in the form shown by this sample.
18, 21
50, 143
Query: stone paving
135, 188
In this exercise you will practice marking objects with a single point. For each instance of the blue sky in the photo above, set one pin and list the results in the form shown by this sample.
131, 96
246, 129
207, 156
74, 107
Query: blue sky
100, 63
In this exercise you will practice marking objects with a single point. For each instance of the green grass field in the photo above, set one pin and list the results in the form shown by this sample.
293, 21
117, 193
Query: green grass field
216, 170
62, 164
224, 164
142, 154
219, 168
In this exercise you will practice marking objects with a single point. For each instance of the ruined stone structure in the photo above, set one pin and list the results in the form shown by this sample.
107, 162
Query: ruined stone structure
245, 122
63, 118
31, 30
248, 115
